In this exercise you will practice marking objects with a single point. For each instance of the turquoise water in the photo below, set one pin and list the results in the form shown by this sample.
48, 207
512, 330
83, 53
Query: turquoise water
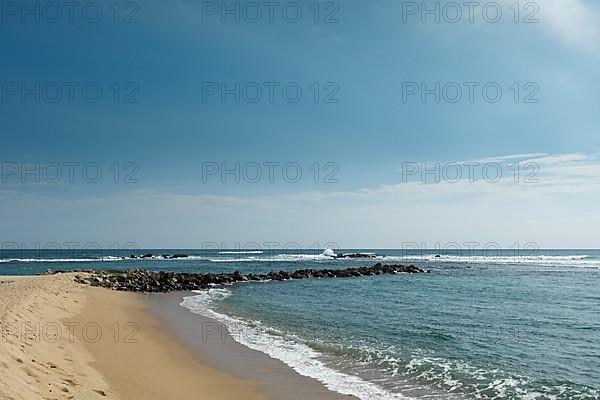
488, 326
483, 332
468, 330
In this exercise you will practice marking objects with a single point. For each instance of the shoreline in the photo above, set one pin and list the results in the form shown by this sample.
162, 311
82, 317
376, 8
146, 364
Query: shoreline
64, 340
210, 339
141, 360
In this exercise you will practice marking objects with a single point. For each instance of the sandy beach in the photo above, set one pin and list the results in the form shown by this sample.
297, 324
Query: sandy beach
62, 340
40, 358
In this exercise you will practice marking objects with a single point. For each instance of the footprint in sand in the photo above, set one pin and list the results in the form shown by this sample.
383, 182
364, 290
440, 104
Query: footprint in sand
31, 374
51, 365
71, 382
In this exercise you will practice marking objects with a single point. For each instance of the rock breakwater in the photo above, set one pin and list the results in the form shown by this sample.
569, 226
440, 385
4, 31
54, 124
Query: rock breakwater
137, 280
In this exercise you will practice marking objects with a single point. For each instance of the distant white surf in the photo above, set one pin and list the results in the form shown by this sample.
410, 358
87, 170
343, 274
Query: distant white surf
97, 259
59, 260
328, 255
576, 260
242, 252
274, 258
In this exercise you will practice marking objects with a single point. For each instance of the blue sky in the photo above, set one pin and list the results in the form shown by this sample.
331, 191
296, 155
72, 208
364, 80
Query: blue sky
364, 139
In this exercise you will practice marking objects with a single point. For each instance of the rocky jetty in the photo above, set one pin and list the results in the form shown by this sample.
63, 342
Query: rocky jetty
137, 280
150, 255
356, 255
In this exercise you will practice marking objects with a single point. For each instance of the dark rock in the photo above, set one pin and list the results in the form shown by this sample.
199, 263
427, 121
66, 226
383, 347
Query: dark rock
356, 255
148, 281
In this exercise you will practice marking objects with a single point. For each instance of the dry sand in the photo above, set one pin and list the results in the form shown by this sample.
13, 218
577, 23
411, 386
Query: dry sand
39, 356
62, 340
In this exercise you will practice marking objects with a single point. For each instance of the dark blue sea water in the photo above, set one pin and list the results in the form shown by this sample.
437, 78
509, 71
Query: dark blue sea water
481, 325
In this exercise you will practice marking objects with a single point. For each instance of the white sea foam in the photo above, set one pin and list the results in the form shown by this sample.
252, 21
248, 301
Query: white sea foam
58, 260
576, 260
274, 258
302, 358
542, 260
329, 253
97, 259
242, 252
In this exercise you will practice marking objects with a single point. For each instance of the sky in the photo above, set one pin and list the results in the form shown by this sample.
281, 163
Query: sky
363, 124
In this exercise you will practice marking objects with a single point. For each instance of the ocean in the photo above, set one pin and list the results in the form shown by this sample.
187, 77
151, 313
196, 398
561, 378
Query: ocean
479, 326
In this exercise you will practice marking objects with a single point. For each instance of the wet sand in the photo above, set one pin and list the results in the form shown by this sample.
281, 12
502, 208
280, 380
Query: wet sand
211, 341
141, 360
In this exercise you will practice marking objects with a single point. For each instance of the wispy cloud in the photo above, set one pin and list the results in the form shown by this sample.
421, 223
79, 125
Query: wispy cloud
560, 210
574, 22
